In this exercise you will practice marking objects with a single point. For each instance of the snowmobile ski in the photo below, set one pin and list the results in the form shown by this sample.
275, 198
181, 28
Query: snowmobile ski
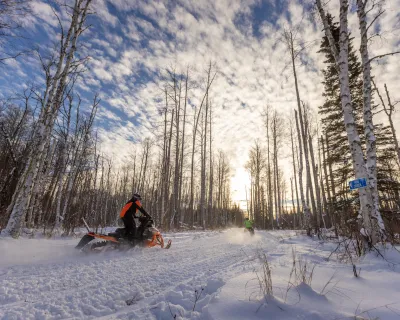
168, 244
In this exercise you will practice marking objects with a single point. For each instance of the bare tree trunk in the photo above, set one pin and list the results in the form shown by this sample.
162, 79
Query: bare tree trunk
325, 210
203, 168
196, 121
182, 216
191, 202
164, 162
332, 180
316, 184
307, 214
146, 151
295, 179
293, 206
329, 179
63, 164
389, 110
177, 100
81, 145
168, 166
306, 210
276, 173
368, 122
278, 191
304, 134
211, 174
270, 201
297, 195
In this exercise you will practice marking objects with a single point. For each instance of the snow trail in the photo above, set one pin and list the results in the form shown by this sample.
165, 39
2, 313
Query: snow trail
51, 280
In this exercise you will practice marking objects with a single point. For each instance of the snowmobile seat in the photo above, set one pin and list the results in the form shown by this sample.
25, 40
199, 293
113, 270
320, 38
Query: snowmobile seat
118, 233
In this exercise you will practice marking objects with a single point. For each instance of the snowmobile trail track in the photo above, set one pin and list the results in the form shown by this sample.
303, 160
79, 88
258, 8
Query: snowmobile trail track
84, 288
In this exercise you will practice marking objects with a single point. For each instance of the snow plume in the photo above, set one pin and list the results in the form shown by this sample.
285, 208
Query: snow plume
242, 236
33, 251
23, 251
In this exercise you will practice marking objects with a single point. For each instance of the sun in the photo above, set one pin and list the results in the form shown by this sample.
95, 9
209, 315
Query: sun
239, 182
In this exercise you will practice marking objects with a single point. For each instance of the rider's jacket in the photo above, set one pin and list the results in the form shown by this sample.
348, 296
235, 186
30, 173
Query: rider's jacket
131, 208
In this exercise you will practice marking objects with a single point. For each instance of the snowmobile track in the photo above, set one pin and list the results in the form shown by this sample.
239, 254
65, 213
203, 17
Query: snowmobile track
85, 288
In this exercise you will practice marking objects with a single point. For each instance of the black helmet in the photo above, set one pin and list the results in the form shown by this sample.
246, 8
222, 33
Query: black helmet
137, 196
247, 218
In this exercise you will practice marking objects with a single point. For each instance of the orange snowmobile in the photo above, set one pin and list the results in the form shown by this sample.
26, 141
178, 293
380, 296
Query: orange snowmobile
117, 240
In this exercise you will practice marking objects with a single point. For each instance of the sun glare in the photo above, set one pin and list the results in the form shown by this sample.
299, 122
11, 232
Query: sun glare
239, 182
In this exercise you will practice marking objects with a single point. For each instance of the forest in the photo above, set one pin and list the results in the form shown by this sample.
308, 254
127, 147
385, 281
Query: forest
53, 171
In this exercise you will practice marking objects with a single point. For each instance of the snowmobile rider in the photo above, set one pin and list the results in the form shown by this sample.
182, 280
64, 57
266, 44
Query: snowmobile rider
248, 224
127, 215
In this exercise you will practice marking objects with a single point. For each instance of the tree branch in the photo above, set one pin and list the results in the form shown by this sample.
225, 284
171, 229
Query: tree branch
383, 55
380, 97
373, 21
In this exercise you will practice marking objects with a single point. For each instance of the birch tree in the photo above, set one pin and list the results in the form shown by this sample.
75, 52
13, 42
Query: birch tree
51, 102
368, 122
372, 223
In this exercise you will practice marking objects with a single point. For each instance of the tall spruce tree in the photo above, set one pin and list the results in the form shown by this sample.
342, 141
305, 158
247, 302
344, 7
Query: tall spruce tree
339, 157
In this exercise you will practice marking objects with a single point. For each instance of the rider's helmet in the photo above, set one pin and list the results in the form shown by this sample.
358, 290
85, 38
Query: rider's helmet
137, 196
247, 218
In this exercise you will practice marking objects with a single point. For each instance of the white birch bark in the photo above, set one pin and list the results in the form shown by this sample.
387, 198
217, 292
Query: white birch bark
51, 104
368, 121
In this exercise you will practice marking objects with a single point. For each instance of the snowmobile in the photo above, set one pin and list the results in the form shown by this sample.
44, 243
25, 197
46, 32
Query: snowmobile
251, 230
97, 242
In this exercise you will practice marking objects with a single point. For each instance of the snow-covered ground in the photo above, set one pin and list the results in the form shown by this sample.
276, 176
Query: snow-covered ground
205, 275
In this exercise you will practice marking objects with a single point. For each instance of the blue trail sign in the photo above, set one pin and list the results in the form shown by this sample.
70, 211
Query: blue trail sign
358, 183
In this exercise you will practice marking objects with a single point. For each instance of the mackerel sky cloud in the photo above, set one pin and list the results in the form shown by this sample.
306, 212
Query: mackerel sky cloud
131, 43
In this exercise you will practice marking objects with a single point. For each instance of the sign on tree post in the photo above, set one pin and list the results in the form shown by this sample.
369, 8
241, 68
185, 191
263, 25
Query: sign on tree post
358, 183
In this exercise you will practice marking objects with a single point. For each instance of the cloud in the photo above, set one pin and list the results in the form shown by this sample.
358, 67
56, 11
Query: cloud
134, 43
44, 12
252, 71
102, 11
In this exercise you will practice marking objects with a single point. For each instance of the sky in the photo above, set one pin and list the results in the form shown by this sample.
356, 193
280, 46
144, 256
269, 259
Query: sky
132, 42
